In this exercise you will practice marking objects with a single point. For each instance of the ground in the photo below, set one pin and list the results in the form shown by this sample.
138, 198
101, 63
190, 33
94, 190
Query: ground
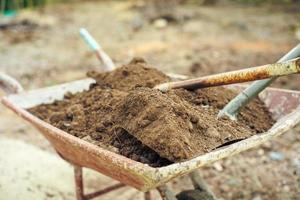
199, 40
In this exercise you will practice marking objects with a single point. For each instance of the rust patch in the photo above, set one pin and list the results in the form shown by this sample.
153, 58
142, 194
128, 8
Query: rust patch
225, 79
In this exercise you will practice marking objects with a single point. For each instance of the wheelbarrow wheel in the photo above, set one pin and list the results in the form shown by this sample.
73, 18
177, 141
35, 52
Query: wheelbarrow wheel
194, 195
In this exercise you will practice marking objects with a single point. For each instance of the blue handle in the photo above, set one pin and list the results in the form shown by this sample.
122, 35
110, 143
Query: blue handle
89, 39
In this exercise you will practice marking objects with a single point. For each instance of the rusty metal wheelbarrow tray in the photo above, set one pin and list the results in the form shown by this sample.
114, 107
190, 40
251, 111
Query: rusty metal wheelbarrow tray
284, 105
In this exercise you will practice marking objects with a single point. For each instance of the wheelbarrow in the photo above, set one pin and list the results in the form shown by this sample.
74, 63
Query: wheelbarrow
283, 104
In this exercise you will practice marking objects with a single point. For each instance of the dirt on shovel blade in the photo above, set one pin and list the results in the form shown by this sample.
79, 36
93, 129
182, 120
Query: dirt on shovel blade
121, 112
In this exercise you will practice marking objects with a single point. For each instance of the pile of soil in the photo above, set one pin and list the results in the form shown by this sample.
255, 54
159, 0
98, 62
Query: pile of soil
122, 113
136, 74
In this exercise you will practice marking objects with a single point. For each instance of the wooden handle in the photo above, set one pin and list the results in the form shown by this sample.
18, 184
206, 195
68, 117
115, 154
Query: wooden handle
9, 84
238, 76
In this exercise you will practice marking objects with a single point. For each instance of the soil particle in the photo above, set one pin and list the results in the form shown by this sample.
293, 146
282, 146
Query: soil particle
123, 114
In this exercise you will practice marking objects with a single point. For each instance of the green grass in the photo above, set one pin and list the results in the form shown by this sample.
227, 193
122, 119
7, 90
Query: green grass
11, 6
14, 5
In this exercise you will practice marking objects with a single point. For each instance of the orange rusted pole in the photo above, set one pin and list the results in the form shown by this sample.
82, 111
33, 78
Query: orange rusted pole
78, 182
104, 191
237, 103
238, 76
147, 195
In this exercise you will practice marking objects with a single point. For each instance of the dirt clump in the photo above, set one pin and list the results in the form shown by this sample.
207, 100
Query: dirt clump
182, 124
121, 112
136, 74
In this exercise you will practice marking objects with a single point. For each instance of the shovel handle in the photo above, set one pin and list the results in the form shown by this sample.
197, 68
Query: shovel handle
237, 103
9, 84
238, 76
97, 49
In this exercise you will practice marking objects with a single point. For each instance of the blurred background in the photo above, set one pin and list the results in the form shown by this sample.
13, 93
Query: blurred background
40, 46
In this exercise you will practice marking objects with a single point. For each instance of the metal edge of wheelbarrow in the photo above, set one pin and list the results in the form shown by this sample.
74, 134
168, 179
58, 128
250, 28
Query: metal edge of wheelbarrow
141, 176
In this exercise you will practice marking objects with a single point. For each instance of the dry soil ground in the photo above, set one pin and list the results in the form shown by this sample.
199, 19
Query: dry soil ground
204, 40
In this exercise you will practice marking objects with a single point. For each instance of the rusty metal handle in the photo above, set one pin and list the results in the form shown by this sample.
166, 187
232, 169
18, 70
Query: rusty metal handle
241, 100
9, 84
238, 76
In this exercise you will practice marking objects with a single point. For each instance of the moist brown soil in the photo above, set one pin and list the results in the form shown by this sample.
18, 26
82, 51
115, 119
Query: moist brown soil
123, 114
136, 74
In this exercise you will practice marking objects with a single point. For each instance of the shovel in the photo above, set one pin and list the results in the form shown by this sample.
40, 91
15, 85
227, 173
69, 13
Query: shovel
238, 76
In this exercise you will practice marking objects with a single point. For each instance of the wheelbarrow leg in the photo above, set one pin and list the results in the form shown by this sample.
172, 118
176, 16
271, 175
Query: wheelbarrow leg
79, 186
166, 193
201, 190
78, 182
200, 184
147, 195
